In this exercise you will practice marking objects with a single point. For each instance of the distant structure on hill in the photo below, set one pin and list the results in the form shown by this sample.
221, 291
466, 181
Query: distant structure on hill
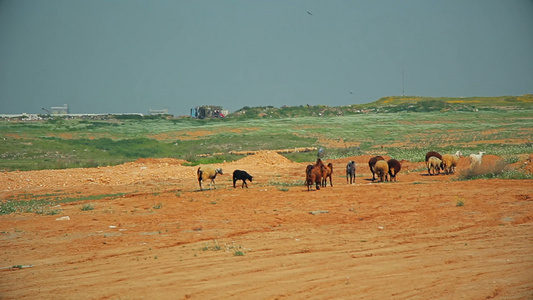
208, 111
158, 112
60, 110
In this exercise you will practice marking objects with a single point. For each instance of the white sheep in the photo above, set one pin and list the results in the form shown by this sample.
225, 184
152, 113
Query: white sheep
434, 164
475, 159
207, 172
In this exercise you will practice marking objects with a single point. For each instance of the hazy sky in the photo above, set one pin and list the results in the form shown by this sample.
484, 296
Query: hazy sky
116, 56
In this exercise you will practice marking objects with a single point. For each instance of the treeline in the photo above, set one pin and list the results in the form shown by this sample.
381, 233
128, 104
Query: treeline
392, 104
327, 111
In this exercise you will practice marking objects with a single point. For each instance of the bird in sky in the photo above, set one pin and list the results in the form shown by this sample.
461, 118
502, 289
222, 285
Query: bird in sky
309, 13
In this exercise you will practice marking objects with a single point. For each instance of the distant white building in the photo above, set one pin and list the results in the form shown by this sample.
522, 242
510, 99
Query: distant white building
156, 112
60, 110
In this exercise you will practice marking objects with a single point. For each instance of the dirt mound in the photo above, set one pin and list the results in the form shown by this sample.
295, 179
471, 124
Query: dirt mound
265, 158
528, 165
487, 160
490, 159
463, 163
127, 173
524, 163
166, 161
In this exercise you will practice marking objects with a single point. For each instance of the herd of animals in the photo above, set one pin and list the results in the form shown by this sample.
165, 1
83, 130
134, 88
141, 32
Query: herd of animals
318, 174
206, 173
385, 170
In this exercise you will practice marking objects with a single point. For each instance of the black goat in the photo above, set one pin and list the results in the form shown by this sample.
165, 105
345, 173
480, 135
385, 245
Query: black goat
241, 175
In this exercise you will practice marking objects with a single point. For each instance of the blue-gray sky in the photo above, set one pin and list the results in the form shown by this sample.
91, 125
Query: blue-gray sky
113, 56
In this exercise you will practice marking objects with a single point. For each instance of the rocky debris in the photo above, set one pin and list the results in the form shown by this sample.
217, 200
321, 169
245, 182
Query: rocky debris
319, 212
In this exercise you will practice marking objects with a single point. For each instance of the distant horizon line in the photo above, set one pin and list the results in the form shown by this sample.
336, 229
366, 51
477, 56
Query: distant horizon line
148, 114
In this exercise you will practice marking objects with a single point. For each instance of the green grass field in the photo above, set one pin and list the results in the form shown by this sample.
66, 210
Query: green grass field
60, 143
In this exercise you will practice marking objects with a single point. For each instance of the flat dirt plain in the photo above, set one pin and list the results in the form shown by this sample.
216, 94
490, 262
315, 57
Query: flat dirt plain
157, 236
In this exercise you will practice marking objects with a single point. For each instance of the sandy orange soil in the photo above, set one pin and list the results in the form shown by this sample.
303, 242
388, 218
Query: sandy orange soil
165, 239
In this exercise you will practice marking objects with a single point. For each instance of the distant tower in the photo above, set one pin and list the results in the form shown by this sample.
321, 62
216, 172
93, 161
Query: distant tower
403, 83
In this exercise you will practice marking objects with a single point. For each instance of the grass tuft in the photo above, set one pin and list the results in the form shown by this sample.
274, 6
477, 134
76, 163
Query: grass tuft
87, 207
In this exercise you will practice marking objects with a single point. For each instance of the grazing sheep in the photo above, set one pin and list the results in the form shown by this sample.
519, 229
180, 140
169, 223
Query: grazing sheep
455, 161
381, 168
241, 175
207, 172
449, 162
394, 168
328, 171
434, 164
372, 163
475, 159
350, 171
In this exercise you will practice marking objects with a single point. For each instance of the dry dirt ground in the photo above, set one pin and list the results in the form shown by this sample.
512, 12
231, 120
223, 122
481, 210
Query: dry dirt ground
165, 239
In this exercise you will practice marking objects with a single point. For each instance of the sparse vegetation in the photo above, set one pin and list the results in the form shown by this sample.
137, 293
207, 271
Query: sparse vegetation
233, 248
215, 247
32, 206
45, 204
237, 250
418, 123
286, 183
87, 207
